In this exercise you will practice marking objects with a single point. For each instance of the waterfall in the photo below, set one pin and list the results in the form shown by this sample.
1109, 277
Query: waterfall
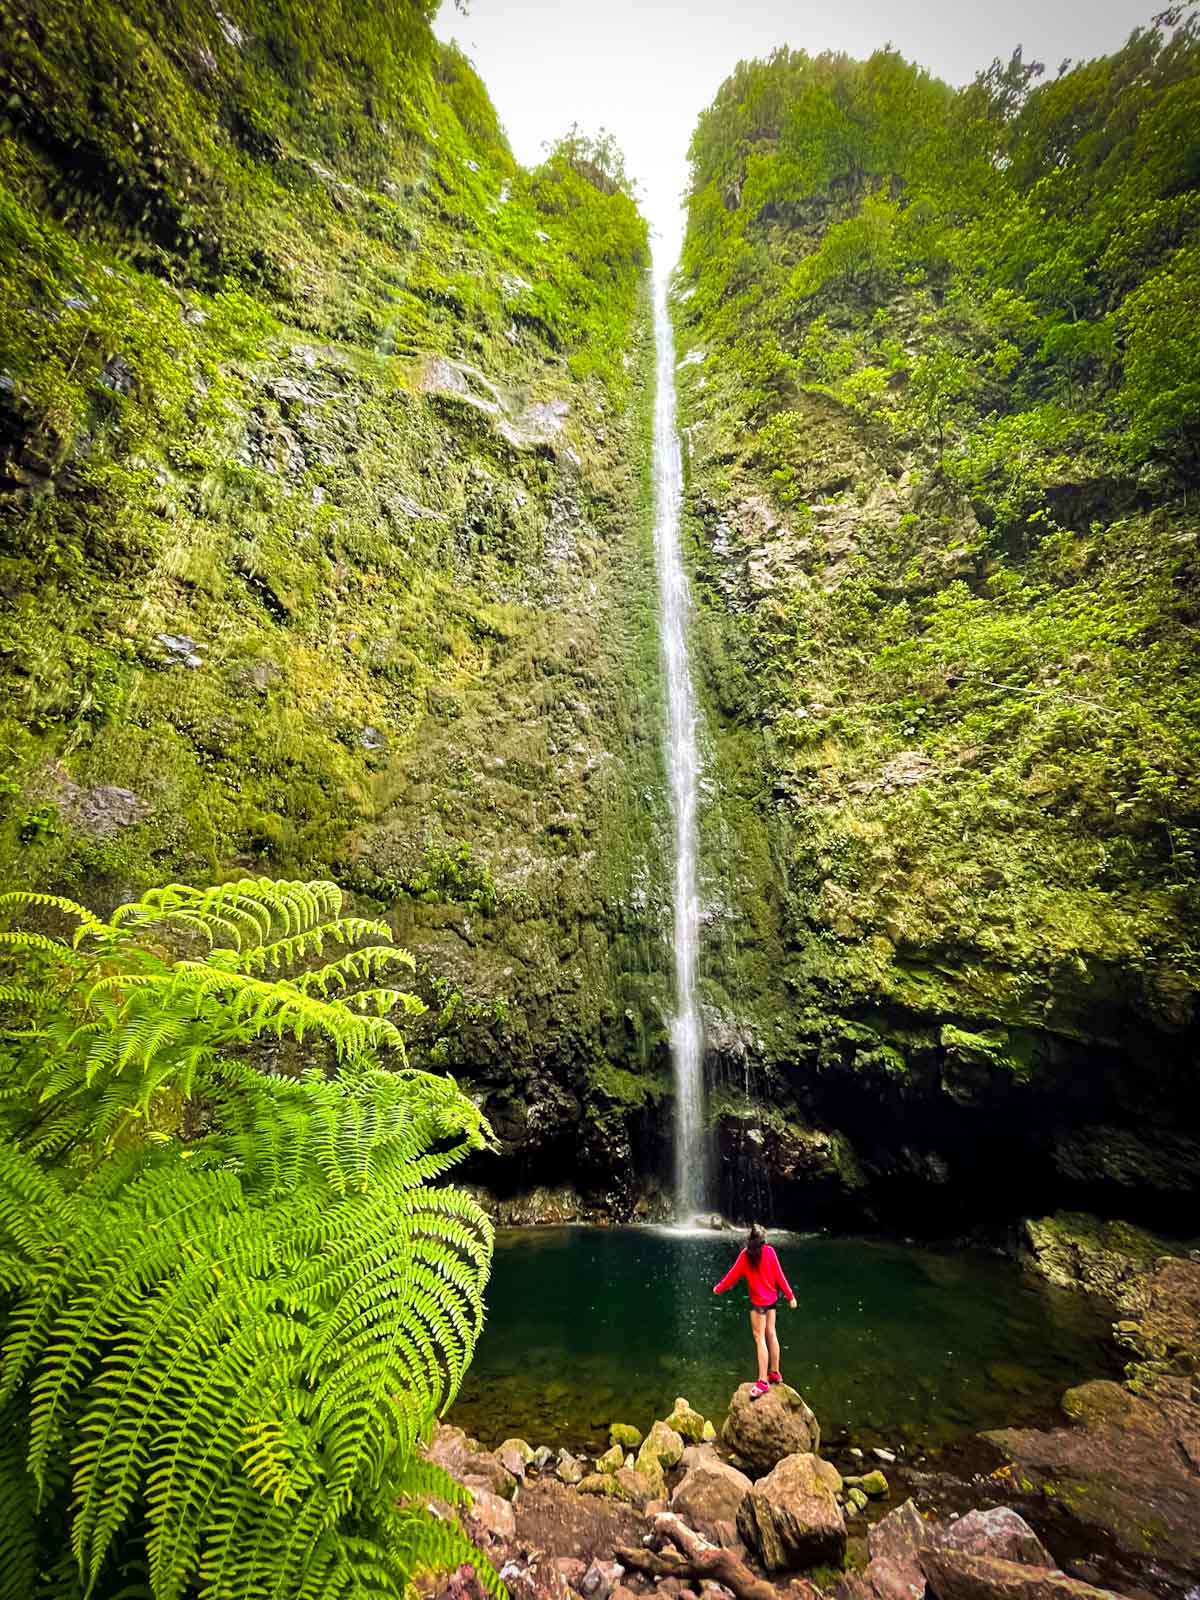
683, 770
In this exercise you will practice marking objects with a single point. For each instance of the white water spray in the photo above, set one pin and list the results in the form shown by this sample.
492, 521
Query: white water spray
683, 770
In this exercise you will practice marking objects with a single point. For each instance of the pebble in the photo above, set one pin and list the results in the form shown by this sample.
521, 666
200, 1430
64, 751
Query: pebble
885, 1455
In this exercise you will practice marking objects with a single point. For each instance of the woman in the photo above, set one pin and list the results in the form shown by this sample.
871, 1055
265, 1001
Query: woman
759, 1265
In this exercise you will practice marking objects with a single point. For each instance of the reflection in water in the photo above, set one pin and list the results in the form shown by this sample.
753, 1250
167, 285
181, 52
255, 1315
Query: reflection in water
589, 1326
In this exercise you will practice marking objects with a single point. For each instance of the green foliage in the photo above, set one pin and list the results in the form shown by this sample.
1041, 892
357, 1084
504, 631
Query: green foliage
942, 458
232, 1301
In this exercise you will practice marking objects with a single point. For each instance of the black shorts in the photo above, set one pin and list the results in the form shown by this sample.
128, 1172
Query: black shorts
765, 1309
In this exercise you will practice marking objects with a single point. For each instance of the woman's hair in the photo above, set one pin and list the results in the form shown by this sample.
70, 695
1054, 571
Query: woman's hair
754, 1244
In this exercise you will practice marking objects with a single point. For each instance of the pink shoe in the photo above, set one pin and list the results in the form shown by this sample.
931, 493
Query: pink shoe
759, 1389
774, 1377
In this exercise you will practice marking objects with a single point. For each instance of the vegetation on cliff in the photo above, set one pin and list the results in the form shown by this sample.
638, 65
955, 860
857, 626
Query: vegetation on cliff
942, 389
326, 549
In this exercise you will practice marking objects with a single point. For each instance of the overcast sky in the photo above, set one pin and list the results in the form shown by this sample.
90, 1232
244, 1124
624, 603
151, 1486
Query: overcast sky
644, 69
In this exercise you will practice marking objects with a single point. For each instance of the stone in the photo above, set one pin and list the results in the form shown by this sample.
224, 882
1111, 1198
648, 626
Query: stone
688, 1424
899, 1535
180, 648
625, 1435
875, 1486
710, 1492
611, 1460
664, 1444
484, 1471
572, 1569
1001, 1532
569, 1468
491, 1515
599, 1483
98, 812
710, 1431
888, 1457
954, 1575
515, 1455
856, 1501
695, 1455
542, 1457
762, 1432
790, 1517
634, 1487
600, 1579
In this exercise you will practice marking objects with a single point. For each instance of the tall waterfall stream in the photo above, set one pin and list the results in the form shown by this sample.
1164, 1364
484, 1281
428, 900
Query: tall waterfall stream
683, 770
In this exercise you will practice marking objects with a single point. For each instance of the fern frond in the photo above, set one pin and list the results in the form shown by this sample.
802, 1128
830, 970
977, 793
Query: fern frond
55, 902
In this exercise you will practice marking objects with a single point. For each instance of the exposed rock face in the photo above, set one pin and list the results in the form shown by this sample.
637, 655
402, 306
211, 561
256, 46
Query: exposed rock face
708, 1494
1128, 1462
997, 1532
760, 1432
954, 1575
791, 1518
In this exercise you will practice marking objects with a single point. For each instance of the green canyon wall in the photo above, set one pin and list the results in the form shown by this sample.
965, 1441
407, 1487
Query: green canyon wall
326, 551
940, 383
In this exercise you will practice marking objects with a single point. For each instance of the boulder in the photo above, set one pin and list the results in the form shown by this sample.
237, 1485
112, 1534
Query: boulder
626, 1436
599, 1483
955, 1575
600, 1579
856, 1501
791, 1518
899, 1536
525, 1452
762, 1432
662, 1448
999, 1532
490, 1515
633, 1487
542, 1457
569, 1468
874, 1485
512, 1459
612, 1459
663, 1444
485, 1472
695, 1454
710, 1492
688, 1424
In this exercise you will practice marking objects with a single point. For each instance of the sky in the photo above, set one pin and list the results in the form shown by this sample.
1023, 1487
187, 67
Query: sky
644, 69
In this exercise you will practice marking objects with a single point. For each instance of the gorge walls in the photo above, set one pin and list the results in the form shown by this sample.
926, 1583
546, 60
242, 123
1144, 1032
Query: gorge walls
943, 524
324, 475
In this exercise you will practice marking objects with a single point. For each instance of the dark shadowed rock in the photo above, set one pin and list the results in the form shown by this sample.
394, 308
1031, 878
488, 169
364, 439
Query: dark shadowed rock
710, 1493
762, 1432
600, 1579
791, 1518
954, 1575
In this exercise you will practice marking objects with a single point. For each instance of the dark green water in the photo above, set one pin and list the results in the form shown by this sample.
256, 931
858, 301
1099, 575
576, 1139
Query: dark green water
895, 1344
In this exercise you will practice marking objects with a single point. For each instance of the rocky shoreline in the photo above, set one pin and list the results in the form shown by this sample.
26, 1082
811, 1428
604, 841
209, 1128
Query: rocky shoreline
1105, 1500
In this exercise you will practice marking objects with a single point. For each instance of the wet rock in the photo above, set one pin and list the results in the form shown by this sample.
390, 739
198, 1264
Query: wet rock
874, 1485
117, 375
856, 1501
762, 1432
612, 1459
791, 1518
954, 1575
1076, 1251
710, 1492
181, 649
569, 1468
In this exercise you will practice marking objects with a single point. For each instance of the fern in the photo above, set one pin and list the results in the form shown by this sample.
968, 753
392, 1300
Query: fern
220, 1353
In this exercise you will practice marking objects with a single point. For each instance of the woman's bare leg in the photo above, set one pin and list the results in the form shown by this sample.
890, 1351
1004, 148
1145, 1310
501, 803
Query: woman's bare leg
758, 1327
772, 1344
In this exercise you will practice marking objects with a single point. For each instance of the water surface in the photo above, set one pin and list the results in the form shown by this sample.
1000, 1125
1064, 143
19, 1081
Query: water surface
895, 1344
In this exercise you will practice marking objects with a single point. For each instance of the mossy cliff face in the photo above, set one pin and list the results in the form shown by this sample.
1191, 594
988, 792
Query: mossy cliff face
327, 543
945, 561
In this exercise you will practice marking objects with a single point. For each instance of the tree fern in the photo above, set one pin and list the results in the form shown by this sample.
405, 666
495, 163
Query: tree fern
220, 1352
